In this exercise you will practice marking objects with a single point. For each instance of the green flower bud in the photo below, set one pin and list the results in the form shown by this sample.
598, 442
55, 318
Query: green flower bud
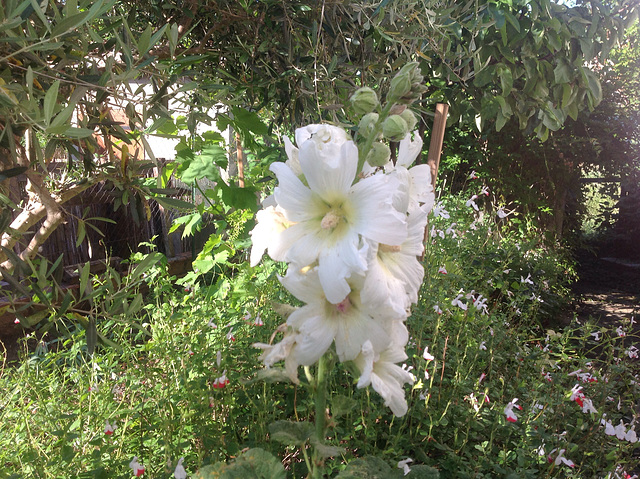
367, 124
379, 154
410, 118
364, 100
407, 85
400, 86
395, 128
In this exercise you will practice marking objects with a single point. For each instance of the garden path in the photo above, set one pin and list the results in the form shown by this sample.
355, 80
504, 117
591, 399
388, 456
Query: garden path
608, 292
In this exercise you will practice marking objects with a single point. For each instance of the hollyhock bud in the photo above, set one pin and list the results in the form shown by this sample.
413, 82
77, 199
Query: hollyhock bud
408, 116
368, 123
364, 101
395, 128
400, 85
407, 85
378, 155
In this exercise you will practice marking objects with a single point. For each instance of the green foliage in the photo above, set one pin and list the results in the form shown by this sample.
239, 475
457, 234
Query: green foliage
252, 463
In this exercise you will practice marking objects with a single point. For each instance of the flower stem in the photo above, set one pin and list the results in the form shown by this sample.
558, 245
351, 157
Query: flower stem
321, 406
364, 149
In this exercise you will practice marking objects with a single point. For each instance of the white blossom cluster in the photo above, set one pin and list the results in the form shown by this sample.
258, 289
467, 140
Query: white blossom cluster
351, 240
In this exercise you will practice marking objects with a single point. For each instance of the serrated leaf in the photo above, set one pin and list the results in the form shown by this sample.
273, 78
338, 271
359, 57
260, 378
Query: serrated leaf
291, 433
341, 405
255, 463
367, 467
423, 472
325, 450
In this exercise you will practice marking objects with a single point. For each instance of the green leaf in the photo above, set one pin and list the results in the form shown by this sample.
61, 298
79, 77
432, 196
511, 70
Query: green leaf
240, 198
69, 23
325, 450
11, 172
82, 232
366, 467
50, 100
422, 472
291, 433
506, 79
173, 203
84, 278
143, 266
595, 88
40, 13
562, 73
91, 334
248, 120
255, 463
206, 165
77, 133
144, 42
156, 36
172, 36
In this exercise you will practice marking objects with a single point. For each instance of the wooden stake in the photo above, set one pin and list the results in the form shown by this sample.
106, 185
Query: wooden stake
435, 151
240, 160
437, 137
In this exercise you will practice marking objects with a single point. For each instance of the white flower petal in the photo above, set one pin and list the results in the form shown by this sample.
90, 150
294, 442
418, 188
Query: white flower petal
377, 219
330, 170
408, 150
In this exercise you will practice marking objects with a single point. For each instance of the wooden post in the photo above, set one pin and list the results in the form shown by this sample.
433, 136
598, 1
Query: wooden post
240, 160
437, 137
435, 151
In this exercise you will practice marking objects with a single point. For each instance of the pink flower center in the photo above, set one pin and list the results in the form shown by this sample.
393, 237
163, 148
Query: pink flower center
344, 305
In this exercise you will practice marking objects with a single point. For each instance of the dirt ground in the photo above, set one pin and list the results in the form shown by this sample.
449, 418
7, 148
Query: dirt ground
608, 290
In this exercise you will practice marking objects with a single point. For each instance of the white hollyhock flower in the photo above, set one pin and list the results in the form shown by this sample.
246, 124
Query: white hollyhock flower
319, 323
273, 353
267, 234
386, 377
331, 214
394, 275
415, 190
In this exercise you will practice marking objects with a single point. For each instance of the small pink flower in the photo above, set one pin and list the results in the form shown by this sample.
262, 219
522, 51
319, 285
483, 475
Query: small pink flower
16, 321
437, 309
481, 378
472, 175
442, 270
